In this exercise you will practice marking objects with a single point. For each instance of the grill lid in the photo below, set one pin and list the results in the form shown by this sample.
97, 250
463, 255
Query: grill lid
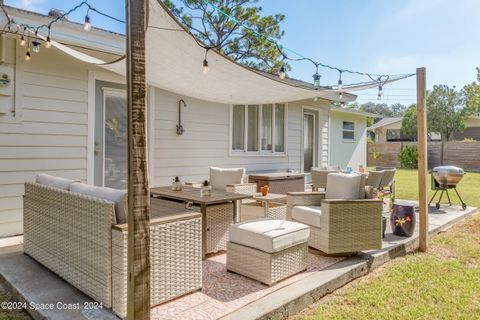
448, 170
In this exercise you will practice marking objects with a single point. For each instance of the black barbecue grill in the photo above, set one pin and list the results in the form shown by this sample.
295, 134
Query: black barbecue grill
444, 178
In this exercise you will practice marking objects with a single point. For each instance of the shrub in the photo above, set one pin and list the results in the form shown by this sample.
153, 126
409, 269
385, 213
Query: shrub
408, 157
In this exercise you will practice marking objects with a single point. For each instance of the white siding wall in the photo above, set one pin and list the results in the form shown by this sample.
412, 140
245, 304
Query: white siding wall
50, 134
205, 141
343, 152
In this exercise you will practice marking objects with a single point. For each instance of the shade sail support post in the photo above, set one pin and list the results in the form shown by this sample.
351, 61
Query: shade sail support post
138, 282
422, 157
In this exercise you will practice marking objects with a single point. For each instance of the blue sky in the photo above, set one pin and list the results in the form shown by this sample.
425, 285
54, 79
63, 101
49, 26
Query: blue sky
387, 37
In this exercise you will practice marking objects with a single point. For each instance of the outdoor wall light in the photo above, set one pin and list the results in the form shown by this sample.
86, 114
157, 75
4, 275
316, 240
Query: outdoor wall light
180, 129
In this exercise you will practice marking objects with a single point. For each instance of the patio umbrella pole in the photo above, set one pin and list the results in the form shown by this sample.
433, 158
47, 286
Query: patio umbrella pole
138, 297
422, 157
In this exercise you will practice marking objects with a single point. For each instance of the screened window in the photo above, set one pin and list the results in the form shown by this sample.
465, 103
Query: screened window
348, 130
267, 127
238, 128
258, 128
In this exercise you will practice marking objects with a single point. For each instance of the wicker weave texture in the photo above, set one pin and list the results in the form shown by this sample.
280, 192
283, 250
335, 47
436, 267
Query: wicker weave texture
70, 234
319, 178
267, 268
218, 218
175, 262
348, 227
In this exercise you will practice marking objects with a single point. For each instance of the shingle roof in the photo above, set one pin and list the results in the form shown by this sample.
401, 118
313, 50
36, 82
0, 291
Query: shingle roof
385, 122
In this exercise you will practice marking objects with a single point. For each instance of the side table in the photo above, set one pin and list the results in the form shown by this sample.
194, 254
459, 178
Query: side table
270, 206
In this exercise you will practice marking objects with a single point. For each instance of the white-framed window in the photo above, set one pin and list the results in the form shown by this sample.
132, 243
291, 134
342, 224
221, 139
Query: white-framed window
348, 132
258, 129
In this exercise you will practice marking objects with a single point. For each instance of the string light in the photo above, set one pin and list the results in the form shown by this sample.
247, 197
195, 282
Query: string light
22, 38
87, 26
380, 92
316, 79
340, 85
282, 73
205, 62
342, 104
340, 95
28, 56
48, 44
36, 44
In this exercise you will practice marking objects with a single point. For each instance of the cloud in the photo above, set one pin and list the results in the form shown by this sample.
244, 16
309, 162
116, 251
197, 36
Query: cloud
32, 5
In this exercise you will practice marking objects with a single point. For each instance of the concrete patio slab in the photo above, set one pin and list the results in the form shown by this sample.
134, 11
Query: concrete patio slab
30, 282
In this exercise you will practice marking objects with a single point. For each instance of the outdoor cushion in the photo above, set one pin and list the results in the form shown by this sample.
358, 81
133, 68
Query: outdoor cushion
52, 181
220, 177
345, 186
307, 214
269, 235
118, 197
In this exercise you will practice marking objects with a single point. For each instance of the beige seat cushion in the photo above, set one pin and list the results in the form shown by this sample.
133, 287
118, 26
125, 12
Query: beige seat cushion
53, 181
220, 177
118, 197
269, 235
309, 215
345, 186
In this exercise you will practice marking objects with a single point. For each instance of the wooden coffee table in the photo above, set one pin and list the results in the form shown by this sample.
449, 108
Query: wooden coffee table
190, 196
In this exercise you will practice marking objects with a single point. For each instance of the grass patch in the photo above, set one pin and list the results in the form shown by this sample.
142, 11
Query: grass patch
406, 182
443, 283
9, 314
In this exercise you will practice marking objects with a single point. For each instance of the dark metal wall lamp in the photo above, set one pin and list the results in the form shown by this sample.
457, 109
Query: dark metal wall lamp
180, 129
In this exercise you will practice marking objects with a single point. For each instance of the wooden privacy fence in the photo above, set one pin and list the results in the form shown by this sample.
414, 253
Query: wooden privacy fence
461, 154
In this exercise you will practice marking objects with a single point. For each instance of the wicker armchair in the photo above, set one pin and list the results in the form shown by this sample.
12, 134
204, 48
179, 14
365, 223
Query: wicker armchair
388, 180
374, 179
319, 178
338, 226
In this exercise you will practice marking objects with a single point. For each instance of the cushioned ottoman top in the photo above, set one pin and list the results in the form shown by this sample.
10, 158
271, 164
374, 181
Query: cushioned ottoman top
269, 235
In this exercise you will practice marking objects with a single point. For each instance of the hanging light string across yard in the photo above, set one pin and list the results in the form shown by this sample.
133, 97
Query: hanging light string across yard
29, 31
381, 79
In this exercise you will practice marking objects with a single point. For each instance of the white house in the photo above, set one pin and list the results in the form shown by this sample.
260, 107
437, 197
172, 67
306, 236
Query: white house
388, 129
64, 115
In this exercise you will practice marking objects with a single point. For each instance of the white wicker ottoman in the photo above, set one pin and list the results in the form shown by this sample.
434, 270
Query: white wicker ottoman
267, 250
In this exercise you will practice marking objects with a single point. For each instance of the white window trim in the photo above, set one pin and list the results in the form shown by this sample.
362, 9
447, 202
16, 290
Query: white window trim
260, 152
354, 131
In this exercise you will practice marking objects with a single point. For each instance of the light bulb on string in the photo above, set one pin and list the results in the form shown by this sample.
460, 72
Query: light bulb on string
282, 73
23, 42
28, 56
205, 61
340, 95
315, 99
342, 104
48, 44
340, 84
380, 92
87, 26
36, 44
316, 78
205, 66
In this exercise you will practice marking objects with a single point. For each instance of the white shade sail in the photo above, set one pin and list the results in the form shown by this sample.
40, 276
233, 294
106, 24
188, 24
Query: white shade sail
174, 62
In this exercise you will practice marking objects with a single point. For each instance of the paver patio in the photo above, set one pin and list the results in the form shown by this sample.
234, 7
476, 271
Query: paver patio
224, 295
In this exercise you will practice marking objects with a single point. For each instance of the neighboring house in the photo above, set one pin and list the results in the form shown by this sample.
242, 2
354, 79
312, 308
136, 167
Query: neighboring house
66, 117
388, 129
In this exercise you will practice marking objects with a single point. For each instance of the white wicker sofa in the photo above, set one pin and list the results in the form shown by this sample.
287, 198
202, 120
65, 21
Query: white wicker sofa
76, 236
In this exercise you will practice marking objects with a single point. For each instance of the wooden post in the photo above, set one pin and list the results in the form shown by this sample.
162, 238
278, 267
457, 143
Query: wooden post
422, 157
138, 305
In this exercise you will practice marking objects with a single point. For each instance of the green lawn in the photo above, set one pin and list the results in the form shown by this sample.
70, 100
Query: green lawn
443, 283
7, 314
469, 187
